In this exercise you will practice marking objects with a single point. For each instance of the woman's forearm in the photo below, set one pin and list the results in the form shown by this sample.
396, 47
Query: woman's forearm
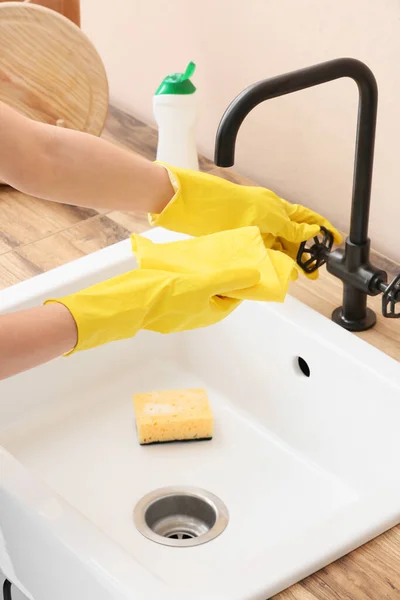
34, 336
74, 168
63, 165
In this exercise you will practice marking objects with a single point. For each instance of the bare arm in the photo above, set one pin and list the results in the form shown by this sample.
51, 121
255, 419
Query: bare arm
31, 337
72, 167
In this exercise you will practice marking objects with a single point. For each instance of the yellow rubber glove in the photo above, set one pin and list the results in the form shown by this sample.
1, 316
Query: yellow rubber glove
179, 286
241, 249
204, 204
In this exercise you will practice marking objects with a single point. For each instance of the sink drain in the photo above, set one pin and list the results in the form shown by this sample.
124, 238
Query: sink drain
180, 535
183, 516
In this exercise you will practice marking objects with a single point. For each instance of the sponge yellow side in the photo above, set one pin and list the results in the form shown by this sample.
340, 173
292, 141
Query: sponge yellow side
173, 415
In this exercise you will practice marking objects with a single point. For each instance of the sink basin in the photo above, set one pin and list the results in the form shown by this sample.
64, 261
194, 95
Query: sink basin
304, 457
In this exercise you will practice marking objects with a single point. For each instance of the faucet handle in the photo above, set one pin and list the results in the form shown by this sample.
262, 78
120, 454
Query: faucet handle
390, 298
316, 253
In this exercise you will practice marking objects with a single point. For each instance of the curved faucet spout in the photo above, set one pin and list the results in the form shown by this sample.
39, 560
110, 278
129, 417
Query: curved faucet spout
300, 80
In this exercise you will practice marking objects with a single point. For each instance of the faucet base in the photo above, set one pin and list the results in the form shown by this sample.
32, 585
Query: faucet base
363, 324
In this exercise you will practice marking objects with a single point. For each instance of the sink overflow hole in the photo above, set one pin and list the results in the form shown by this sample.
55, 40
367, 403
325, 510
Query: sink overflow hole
303, 366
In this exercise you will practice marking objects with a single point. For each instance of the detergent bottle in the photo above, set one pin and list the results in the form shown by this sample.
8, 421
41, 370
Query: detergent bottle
174, 107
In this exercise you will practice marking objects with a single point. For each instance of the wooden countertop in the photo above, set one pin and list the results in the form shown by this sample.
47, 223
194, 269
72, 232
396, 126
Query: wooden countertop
36, 236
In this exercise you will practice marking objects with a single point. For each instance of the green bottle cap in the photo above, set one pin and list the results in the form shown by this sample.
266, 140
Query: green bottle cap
178, 83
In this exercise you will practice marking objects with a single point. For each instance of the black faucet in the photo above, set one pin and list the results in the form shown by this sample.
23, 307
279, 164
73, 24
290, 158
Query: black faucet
351, 264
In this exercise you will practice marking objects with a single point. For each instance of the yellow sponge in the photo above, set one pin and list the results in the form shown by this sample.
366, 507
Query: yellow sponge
173, 415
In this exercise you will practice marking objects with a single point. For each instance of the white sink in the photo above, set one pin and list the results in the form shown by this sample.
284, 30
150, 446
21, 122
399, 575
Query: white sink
307, 467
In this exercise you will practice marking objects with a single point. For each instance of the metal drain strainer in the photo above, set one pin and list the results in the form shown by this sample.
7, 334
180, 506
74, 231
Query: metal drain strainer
183, 516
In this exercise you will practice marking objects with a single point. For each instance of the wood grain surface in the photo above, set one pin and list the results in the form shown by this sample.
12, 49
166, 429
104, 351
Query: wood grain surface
49, 70
36, 236
69, 8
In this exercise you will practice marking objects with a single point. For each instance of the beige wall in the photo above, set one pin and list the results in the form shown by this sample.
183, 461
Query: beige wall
301, 145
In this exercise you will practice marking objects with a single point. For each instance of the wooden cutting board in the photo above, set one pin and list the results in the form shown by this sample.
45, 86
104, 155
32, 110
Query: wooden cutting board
49, 69
69, 8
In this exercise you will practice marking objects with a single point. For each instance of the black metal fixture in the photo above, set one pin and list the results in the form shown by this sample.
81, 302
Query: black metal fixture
352, 264
7, 590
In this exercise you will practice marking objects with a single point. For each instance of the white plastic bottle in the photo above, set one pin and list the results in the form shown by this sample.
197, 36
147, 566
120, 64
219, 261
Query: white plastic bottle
175, 111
